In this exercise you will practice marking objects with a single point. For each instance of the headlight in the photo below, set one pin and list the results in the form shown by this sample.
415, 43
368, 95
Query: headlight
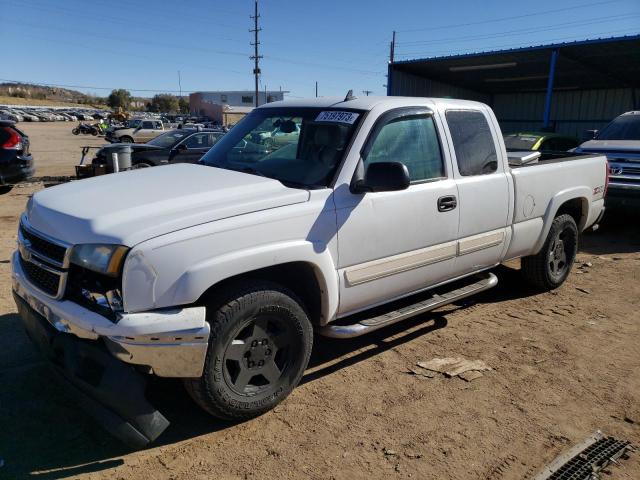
105, 259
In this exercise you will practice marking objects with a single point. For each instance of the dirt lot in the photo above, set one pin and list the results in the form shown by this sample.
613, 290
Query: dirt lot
565, 364
55, 149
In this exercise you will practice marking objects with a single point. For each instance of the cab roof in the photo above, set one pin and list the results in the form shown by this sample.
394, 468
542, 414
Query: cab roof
367, 103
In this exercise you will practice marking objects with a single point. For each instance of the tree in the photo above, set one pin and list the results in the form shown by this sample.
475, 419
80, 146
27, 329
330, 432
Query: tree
163, 102
183, 105
119, 98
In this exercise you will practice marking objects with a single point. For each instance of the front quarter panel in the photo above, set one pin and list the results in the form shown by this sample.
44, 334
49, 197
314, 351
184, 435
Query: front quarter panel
177, 268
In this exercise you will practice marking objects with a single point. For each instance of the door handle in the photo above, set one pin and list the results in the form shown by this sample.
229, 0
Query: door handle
447, 203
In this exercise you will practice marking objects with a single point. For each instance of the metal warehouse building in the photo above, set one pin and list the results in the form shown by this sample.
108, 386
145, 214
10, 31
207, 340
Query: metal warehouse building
565, 87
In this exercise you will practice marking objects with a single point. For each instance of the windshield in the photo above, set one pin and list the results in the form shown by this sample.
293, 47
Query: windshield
169, 139
301, 147
625, 127
518, 141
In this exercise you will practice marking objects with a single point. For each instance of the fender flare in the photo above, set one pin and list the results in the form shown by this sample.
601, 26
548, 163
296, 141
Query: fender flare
198, 278
560, 198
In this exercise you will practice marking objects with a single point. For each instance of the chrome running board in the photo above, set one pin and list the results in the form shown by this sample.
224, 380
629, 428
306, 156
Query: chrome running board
479, 283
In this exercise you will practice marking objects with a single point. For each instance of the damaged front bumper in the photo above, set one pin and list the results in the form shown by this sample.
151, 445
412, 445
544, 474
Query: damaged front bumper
97, 356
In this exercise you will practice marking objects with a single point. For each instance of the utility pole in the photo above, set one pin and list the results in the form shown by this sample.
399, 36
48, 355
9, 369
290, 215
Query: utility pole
367, 92
179, 84
316, 88
256, 57
392, 51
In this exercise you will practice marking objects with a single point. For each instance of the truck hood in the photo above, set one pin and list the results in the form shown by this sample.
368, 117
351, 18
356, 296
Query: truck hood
616, 147
130, 207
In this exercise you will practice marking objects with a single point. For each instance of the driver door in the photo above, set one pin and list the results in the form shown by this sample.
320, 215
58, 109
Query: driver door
392, 244
191, 149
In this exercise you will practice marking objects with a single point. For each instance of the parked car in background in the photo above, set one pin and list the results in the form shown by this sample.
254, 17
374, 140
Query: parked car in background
16, 163
540, 141
27, 116
174, 146
620, 142
281, 134
10, 115
147, 130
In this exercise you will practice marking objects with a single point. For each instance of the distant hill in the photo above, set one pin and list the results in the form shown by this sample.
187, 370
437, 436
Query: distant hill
52, 94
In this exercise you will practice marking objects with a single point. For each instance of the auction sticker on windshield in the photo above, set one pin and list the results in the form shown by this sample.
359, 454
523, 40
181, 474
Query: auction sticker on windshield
341, 117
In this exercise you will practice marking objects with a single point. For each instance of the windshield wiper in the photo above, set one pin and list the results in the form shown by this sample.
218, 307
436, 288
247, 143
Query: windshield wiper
292, 184
249, 170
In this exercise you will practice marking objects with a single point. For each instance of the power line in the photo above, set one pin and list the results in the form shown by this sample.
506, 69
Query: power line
93, 87
494, 20
508, 33
514, 45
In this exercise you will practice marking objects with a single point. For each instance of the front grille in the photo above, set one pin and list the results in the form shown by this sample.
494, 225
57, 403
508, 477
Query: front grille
41, 278
44, 247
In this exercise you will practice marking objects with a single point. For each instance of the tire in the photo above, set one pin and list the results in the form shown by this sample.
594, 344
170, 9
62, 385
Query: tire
75, 131
5, 189
94, 132
125, 140
138, 165
259, 347
550, 267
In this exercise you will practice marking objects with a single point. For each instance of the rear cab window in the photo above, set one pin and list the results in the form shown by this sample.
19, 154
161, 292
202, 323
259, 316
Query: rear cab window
473, 142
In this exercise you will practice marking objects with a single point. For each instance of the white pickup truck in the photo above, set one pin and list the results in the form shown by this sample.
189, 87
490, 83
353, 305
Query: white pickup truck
218, 273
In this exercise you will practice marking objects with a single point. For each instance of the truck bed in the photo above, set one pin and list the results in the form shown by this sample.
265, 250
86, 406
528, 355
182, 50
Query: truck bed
547, 158
540, 188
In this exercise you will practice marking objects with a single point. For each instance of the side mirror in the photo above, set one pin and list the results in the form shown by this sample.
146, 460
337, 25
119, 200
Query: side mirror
591, 134
383, 177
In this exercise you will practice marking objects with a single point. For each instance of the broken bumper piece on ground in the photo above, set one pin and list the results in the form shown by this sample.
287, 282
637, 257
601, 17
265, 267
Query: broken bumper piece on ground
109, 390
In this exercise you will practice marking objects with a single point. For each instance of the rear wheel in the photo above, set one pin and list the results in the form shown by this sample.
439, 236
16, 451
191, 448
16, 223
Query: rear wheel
551, 266
75, 131
5, 189
259, 348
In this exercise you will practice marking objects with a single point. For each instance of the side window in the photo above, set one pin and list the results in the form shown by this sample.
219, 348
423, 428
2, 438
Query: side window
411, 140
472, 142
147, 124
213, 138
199, 140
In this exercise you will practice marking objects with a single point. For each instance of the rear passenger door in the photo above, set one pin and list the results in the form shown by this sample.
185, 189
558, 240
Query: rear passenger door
483, 190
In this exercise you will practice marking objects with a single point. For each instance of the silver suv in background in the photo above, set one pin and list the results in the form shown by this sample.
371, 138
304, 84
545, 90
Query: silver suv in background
620, 142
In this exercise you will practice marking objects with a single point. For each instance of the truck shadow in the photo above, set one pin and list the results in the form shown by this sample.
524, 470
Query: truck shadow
619, 232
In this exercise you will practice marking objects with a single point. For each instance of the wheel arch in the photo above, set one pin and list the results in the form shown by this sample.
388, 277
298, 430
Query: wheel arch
574, 202
302, 278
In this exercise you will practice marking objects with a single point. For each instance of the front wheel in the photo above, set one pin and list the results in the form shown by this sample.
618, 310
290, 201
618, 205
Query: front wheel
125, 140
260, 345
75, 131
550, 267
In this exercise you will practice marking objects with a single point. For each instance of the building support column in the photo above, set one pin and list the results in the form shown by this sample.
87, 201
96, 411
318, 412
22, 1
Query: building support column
547, 102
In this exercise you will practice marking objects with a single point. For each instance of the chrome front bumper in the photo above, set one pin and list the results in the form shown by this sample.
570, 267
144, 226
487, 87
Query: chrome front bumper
171, 342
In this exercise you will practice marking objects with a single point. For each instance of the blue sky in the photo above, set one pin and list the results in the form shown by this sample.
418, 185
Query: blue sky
141, 45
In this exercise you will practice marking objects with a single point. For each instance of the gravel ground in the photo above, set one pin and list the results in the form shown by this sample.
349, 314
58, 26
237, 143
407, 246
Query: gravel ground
564, 364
